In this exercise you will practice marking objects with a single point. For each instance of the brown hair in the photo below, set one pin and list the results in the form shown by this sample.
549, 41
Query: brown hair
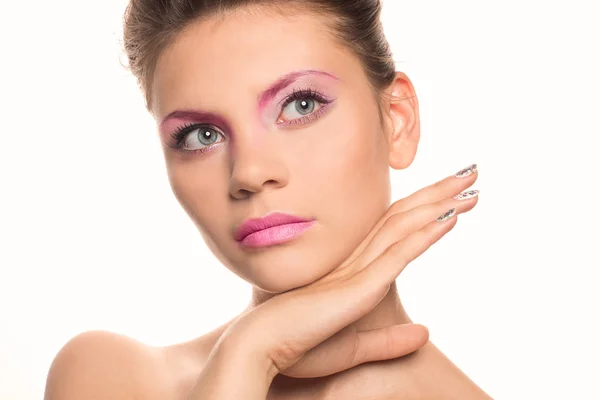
150, 25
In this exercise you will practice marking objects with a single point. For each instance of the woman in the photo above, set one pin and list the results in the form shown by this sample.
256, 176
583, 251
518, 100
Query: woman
280, 120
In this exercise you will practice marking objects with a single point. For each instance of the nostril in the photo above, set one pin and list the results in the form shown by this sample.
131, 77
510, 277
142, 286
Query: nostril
241, 194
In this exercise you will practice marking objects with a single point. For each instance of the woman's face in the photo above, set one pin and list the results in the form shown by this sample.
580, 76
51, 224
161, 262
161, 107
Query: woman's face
324, 159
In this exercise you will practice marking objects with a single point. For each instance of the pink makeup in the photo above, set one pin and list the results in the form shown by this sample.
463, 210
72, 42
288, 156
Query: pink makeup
325, 84
273, 229
180, 117
276, 235
282, 83
269, 103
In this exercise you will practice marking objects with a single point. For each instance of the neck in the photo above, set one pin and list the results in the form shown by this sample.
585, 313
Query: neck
426, 373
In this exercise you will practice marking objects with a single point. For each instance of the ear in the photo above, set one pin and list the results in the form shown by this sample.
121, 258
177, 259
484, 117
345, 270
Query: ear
403, 126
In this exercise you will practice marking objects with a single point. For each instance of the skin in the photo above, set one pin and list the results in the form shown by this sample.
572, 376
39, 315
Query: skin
334, 169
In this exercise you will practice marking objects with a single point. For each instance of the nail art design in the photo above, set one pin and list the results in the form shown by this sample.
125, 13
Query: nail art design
466, 171
466, 195
446, 215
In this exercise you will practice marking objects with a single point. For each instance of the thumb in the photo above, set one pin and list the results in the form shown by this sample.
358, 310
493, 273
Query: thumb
349, 348
391, 342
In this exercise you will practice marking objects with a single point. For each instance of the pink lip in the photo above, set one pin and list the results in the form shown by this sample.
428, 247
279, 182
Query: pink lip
273, 229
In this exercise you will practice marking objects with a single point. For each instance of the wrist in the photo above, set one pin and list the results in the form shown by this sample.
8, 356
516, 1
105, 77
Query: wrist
248, 355
239, 342
234, 371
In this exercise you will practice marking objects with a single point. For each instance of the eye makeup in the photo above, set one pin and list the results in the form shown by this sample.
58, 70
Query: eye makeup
181, 134
178, 125
286, 80
316, 85
305, 94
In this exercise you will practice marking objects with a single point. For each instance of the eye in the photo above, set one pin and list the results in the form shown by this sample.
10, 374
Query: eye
299, 108
196, 137
302, 106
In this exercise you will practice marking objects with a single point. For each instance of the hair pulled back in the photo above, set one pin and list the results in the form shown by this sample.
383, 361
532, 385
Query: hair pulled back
150, 25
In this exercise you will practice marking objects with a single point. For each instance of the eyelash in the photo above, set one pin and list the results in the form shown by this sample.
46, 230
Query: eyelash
181, 133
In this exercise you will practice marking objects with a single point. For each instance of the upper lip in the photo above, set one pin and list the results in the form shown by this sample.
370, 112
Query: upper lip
258, 224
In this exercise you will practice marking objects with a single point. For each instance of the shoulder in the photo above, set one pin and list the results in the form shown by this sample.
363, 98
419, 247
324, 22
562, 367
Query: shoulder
100, 364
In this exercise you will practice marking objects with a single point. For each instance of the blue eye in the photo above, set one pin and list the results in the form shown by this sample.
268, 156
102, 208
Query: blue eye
196, 137
206, 136
303, 107
308, 103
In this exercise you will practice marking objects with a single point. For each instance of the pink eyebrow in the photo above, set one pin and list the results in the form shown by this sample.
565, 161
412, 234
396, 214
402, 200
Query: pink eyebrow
263, 99
283, 82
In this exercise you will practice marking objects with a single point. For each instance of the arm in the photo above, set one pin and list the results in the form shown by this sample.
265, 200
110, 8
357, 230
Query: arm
234, 371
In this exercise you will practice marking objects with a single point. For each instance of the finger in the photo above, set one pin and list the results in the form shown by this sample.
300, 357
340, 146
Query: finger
447, 187
353, 297
376, 278
358, 294
388, 343
348, 348
401, 225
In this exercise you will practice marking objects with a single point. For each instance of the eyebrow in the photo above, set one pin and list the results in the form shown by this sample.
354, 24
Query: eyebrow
286, 80
264, 97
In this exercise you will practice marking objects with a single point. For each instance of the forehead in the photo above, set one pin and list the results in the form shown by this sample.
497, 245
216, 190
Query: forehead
240, 54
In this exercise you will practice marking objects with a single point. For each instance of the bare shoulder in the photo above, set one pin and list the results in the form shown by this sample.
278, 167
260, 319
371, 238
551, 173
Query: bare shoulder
106, 365
100, 364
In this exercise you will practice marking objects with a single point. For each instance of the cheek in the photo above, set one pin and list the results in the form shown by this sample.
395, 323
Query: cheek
353, 181
201, 191
351, 159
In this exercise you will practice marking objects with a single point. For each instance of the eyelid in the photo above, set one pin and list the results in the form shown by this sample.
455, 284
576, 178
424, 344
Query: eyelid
325, 104
300, 88
181, 133
305, 93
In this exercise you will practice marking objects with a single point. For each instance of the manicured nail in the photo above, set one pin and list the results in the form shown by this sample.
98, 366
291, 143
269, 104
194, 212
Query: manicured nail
446, 215
469, 194
466, 171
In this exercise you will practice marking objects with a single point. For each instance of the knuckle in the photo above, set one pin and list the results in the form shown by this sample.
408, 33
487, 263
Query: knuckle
397, 251
284, 355
397, 206
401, 224
393, 221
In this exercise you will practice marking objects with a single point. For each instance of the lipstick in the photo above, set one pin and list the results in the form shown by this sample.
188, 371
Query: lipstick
272, 229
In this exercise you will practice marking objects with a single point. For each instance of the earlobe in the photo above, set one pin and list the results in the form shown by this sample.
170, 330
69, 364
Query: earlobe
405, 123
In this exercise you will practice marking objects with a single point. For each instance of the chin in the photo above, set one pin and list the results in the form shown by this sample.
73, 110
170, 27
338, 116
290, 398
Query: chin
285, 267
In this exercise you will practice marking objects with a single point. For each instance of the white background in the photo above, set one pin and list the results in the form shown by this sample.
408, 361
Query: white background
92, 237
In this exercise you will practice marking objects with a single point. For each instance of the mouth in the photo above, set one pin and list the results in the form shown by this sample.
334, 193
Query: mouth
273, 229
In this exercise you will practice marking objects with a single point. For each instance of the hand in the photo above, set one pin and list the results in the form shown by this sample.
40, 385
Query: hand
305, 332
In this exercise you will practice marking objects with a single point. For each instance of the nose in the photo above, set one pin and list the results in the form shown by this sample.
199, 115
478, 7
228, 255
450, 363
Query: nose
255, 166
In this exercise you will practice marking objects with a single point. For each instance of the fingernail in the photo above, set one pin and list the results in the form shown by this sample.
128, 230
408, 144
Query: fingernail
446, 215
469, 194
466, 171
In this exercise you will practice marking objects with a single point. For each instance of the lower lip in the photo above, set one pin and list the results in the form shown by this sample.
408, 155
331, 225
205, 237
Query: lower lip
276, 235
